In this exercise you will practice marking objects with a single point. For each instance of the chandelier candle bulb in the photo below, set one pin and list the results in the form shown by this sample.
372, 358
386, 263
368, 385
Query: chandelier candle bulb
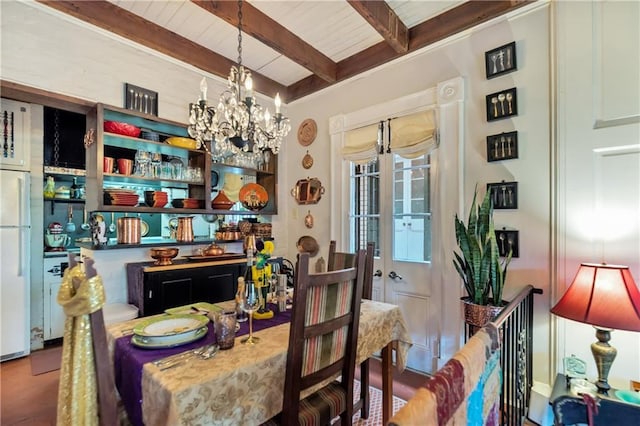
248, 84
203, 89
277, 102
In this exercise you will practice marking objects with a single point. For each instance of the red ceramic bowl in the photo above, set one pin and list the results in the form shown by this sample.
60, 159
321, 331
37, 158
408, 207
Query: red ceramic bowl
120, 128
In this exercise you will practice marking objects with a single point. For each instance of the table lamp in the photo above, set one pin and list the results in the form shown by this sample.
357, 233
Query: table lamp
606, 297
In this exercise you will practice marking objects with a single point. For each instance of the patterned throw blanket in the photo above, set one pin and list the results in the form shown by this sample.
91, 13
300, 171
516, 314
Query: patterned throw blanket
465, 391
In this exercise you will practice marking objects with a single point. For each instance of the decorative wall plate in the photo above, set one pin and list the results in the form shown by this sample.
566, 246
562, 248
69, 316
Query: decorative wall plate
307, 132
253, 196
307, 161
308, 244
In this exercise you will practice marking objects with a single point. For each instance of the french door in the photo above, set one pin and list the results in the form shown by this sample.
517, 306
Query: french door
406, 206
390, 206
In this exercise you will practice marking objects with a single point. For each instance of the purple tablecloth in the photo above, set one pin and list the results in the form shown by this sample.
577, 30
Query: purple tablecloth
129, 361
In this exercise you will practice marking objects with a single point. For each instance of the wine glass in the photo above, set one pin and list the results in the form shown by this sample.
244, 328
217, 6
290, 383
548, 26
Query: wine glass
250, 302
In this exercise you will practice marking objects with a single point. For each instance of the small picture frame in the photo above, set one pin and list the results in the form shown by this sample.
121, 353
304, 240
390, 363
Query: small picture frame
501, 60
503, 146
502, 104
507, 240
504, 195
140, 99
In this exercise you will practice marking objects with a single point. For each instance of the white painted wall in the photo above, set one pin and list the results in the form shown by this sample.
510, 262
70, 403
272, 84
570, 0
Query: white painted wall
463, 56
598, 164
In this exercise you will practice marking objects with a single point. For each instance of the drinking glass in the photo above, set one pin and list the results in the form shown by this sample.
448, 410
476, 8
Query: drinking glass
250, 302
225, 328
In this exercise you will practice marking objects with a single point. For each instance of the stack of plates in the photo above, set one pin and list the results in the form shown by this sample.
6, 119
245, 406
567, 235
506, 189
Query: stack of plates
169, 331
187, 203
120, 197
156, 198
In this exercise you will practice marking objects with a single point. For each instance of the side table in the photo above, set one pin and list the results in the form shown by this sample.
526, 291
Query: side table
570, 409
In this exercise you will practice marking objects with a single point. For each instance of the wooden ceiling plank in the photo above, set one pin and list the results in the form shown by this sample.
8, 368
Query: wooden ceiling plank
268, 31
117, 20
384, 20
442, 26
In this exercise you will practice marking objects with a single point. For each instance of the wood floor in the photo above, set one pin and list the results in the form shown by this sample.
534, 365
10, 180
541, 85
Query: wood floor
31, 400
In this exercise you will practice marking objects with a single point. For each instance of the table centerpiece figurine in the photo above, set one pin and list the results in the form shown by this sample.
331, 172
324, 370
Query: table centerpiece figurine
261, 274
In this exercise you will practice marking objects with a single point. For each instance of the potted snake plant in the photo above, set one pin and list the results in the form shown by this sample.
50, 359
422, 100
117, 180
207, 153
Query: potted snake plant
479, 264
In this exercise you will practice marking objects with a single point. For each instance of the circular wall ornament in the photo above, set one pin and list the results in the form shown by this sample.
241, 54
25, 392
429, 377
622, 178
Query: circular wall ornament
307, 161
307, 132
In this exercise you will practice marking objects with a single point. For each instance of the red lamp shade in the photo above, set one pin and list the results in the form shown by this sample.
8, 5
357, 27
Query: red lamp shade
602, 295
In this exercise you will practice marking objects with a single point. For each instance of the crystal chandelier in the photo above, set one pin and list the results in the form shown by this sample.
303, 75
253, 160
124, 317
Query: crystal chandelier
238, 125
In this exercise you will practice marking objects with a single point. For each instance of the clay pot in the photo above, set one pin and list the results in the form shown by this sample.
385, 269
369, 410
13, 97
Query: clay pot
221, 202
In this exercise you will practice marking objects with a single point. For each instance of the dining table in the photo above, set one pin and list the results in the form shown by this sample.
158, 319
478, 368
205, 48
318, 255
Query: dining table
242, 385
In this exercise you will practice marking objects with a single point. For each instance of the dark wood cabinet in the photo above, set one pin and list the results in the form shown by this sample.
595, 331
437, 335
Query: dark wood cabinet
154, 289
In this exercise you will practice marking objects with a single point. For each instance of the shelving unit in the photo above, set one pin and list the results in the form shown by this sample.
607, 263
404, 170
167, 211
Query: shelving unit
268, 178
119, 146
66, 176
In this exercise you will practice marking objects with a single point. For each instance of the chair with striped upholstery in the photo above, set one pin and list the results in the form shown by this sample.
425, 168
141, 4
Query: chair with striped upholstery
339, 260
322, 344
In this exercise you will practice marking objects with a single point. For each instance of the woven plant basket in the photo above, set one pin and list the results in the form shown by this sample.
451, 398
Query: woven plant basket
479, 315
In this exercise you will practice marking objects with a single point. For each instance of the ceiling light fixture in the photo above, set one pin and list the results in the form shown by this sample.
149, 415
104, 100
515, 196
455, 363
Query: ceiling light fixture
238, 127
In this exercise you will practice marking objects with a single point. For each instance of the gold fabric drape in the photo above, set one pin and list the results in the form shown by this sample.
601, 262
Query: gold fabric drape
77, 392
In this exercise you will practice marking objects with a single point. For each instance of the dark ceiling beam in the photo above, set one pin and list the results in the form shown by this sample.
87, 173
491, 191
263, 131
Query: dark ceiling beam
381, 17
131, 26
438, 28
460, 18
268, 31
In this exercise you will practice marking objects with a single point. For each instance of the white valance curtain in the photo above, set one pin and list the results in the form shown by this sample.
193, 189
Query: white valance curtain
410, 136
361, 144
413, 135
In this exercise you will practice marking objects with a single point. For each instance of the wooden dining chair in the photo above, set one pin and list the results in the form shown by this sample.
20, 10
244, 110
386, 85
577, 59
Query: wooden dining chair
322, 344
339, 260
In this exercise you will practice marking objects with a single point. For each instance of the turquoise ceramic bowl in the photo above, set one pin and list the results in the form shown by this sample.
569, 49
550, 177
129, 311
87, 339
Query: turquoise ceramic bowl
630, 396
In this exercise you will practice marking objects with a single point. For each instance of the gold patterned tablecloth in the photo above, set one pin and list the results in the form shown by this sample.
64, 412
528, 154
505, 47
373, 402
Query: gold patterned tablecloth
244, 385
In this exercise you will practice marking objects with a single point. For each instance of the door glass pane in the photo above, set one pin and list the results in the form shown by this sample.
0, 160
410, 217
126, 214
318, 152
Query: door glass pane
411, 209
364, 213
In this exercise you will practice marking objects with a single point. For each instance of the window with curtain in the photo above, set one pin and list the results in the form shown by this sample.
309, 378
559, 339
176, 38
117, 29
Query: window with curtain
402, 144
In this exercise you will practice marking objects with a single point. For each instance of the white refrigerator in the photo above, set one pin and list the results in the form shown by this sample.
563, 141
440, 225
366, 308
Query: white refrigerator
15, 282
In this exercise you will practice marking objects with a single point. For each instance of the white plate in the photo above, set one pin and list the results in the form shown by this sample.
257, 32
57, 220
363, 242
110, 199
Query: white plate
170, 325
170, 339
149, 343
144, 228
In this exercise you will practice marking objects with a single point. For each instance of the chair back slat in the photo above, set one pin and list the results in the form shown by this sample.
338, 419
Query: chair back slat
324, 330
338, 260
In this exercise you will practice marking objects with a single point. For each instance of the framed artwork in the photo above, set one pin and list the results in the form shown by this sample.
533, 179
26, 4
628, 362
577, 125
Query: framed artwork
500, 60
507, 240
503, 146
140, 99
502, 104
504, 195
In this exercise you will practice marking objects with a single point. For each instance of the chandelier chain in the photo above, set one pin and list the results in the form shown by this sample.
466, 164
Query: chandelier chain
239, 32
